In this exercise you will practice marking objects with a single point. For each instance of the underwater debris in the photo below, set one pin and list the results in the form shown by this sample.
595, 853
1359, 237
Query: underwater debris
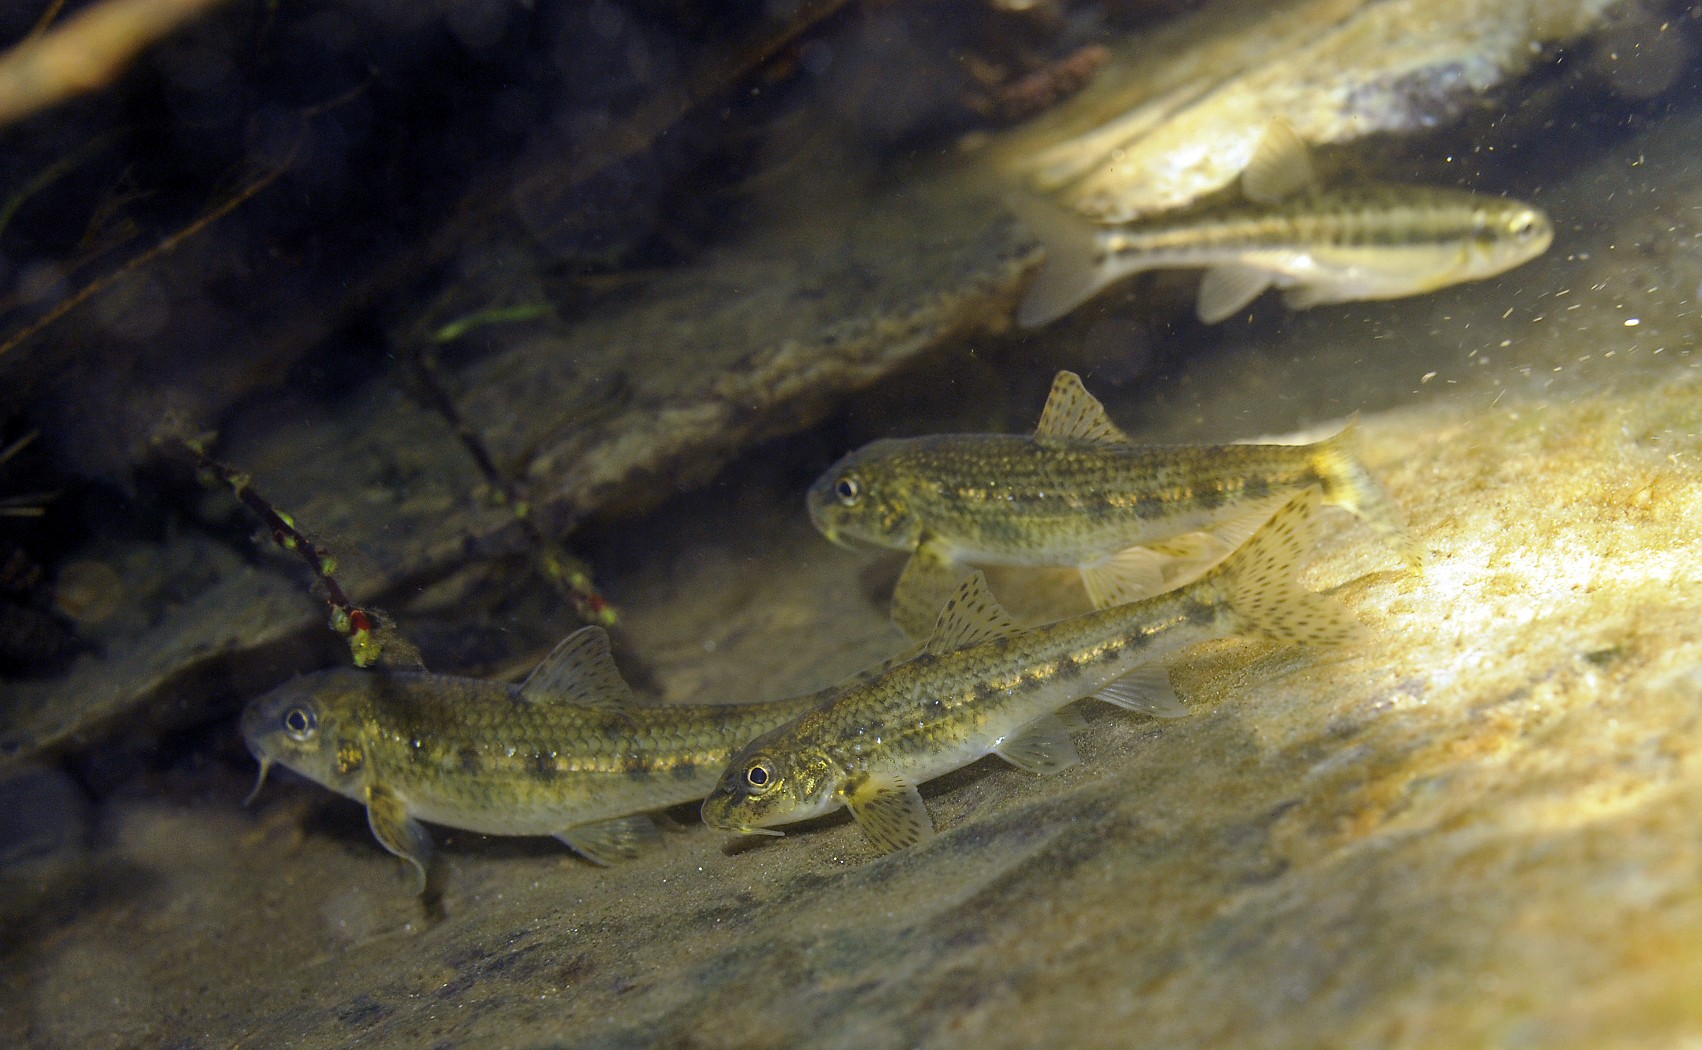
1021, 97
373, 637
569, 575
164, 246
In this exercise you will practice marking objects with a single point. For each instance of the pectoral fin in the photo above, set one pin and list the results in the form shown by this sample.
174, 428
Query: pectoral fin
930, 580
890, 812
398, 832
1146, 689
611, 841
1042, 747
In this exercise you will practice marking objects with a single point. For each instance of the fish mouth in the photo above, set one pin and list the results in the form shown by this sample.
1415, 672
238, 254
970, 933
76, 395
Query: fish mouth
715, 817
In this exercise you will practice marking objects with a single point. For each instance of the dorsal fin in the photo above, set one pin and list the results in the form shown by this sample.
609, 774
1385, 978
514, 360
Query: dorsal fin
579, 671
1281, 166
1073, 415
971, 617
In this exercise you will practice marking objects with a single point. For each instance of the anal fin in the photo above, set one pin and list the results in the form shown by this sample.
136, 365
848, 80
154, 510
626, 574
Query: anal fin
1042, 747
397, 832
890, 812
1227, 289
612, 841
1146, 689
1126, 576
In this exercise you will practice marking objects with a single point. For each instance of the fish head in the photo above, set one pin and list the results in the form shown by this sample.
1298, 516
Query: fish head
765, 785
868, 496
1506, 233
309, 726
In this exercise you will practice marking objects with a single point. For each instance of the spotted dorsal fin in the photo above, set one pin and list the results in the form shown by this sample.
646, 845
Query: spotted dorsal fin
1072, 415
579, 671
971, 617
1281, 166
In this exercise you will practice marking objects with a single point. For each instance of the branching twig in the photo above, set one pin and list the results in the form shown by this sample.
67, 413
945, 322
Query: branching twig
373, 637
570, 576
165, 246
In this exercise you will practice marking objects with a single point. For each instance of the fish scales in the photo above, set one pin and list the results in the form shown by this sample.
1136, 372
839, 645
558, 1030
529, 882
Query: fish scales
568, 753
980, 686
497, 764
935, 713
1077, 493
1348, 217
1320, 244
1007, 500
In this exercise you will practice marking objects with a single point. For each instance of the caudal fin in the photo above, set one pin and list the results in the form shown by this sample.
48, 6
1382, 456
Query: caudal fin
1073, 270
1348, 485
1258, 581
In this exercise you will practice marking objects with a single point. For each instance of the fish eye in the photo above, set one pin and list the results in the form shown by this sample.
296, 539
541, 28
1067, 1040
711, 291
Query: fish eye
759, 776
299, 723
1524, 226
848, 491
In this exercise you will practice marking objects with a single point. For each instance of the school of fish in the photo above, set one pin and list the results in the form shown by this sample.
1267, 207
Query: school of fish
1174, 545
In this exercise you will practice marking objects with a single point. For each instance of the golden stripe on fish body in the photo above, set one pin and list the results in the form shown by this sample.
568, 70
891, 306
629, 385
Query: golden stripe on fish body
980, 686
1076, 493
1322, 245
569, 753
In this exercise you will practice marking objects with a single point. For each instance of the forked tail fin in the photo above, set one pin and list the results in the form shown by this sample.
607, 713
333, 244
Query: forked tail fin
1258, 581
1348, 485
1073, 271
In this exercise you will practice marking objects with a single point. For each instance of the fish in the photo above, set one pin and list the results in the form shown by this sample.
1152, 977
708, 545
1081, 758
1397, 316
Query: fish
570, 752
980, 686
1320, 244
1077, 493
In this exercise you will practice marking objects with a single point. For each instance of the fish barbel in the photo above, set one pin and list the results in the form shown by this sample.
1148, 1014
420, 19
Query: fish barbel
980, 686
1076, 493
1320, 244
568, 753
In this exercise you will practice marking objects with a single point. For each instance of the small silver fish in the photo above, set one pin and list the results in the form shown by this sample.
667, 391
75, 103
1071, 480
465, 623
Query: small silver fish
1320, 244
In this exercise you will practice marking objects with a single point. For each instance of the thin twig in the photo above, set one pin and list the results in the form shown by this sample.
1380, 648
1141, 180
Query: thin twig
372, 636
164, 247
569, 575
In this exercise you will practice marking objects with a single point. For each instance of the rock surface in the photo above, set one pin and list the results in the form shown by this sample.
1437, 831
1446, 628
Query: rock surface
1177, 115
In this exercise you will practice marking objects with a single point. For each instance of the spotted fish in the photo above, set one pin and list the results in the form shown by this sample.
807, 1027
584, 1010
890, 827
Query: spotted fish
1076, 493
568, 753
980, 686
